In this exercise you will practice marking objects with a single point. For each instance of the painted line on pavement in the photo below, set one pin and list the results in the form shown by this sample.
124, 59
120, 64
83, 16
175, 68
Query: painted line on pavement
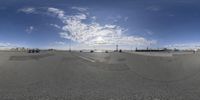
88, 59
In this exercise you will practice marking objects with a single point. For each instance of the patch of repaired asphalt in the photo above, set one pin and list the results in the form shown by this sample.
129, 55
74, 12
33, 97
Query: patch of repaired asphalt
29, 57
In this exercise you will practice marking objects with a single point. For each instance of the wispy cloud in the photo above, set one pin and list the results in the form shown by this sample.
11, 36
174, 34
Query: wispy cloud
56, 26
82, 9
59, 43
153, 8
126, 19
149, 32
7, 45
30, 29
56, 12
28, 10
90, 33
93, 33
93, 17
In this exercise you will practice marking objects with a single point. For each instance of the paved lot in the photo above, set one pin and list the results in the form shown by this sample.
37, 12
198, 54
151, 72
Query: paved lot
98, 76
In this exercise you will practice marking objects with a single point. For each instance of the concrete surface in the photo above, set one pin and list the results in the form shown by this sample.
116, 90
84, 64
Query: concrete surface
98, 76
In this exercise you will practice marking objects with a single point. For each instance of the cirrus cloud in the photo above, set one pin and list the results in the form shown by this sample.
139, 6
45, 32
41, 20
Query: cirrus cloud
82, 9
28, 10
89, 33
92, 33
30, 29
7, 45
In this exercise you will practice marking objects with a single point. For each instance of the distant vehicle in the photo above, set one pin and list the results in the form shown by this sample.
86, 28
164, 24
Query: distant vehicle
81, 51
37, 50
115, 50
91, 51
120, 50
50, 49
33, 50
106, 51
29, 51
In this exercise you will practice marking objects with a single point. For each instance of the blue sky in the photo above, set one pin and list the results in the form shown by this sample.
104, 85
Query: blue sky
99, 24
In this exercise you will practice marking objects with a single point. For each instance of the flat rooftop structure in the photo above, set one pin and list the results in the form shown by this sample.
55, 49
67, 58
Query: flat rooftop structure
61, 75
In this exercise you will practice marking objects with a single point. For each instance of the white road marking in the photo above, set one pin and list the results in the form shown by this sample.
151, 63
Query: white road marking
88, 59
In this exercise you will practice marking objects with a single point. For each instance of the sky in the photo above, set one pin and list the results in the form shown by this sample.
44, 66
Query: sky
100, 24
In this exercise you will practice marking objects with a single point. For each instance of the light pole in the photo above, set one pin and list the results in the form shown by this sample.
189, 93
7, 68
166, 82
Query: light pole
117, 47
70, 46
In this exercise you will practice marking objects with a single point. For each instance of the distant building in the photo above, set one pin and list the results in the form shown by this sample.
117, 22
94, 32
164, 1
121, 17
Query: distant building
20, 49
153, 50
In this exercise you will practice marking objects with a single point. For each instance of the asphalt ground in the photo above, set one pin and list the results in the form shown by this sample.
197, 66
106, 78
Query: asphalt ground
98, 76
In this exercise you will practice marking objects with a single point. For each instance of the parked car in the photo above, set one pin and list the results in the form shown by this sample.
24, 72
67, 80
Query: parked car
91, 51
29, 51
37, 50
33, 50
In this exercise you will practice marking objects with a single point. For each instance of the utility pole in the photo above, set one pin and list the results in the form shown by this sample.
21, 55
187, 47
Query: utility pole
70, 46
117, 47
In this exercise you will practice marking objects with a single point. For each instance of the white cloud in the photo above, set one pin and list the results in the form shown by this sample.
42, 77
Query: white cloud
81, 9
94, 17
56, 26
30, 29
4, 44
154, 8
89, 33
149, 32
76, 29
7, 45
117, 18
126, 19
57, 12
60, 43
28, 10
